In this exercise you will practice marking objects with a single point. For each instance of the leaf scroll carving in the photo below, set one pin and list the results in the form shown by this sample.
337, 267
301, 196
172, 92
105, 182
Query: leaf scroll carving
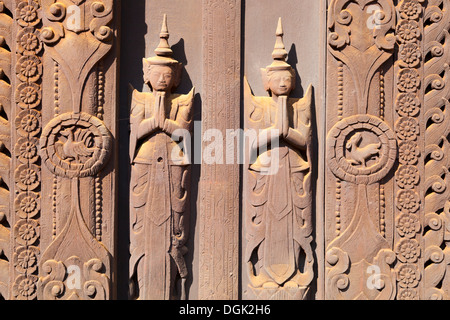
75, 146
360, 48
437, 145
361, 150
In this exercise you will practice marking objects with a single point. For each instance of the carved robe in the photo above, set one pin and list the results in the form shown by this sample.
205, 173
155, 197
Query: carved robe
159, 207
278, 219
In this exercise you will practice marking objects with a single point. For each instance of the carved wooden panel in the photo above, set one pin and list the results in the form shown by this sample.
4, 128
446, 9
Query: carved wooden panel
409, 129
361, 151
348, 198
219, 186
161, 124
279, 257
27, 114
405, 92
436, 128
58, 183
76, 149
6, 30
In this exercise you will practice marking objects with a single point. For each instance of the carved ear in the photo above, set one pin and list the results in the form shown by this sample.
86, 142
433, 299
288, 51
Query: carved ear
353, 140
294, 79
349, 145
177, 69
265, 79
145, 68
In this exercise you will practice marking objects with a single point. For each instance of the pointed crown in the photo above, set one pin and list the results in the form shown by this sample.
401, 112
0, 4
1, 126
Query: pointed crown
163, 51
279, 54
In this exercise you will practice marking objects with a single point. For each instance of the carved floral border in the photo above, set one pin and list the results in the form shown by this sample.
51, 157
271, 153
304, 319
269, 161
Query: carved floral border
408, 203
28, 127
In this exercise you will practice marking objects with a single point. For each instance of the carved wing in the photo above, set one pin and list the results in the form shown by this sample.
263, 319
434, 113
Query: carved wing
184, 111
59, 147
253, 109
302, 111
302, 122
80, 149
81, 146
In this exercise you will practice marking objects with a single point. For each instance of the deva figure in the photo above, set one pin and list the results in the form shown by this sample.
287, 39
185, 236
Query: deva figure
278, 221
160, 124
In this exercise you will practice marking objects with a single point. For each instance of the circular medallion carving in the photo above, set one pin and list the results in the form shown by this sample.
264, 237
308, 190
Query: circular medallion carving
361, 149
75, 145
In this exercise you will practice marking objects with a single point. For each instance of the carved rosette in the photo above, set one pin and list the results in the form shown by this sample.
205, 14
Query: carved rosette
75, 145
6, 22
437, 160
27, 174
408, 203
342, 159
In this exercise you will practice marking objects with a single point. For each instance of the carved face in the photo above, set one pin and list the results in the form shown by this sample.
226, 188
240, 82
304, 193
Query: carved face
281, 83
161, 78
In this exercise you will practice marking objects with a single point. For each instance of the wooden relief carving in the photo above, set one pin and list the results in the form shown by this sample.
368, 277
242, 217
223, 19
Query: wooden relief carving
219, 184
6, 22
160, 123
278, 217
408, 127
27, 175
385, 229
436, 179
361, 151
75, 146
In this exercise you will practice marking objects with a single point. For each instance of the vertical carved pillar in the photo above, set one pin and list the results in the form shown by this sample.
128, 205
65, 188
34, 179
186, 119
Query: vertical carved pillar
6, 30
27, 162
278, 258
361, 151
161, 122
409, 128
76, 144
219, 194
436, 235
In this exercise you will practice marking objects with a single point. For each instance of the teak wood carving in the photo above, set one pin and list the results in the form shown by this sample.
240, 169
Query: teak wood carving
6, 23
160, 122
76, 145
219, 214
436, 89
61, 143
368, 220
278, 201
409, 129
26, 249
361, 152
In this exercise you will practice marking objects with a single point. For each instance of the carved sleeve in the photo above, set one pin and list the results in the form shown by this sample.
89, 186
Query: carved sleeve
300, 134
136, 118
